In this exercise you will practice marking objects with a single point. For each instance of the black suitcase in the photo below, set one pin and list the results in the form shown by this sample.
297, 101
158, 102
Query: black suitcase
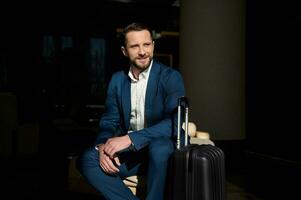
197, 171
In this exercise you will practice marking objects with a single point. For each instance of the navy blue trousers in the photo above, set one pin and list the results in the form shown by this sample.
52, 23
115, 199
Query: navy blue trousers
151, 161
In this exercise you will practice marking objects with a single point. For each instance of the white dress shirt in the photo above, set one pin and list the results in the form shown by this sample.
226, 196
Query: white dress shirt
138, 92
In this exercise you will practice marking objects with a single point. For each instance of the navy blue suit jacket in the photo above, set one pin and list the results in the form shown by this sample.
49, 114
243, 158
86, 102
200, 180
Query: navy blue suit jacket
164, 87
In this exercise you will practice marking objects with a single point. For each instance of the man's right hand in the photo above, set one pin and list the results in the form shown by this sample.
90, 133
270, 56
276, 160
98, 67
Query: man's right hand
107, 163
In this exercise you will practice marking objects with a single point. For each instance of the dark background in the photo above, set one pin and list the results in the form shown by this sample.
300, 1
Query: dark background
54, 96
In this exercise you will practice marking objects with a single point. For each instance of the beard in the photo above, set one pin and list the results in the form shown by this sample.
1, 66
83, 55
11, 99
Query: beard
142, 63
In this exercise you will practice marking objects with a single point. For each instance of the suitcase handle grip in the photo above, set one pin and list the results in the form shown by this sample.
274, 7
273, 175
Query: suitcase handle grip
182, 102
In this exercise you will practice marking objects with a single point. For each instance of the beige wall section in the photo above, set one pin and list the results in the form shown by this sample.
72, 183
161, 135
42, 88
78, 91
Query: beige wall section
212, 61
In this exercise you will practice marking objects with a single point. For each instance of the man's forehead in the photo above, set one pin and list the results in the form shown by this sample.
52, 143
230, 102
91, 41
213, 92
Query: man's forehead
138, 34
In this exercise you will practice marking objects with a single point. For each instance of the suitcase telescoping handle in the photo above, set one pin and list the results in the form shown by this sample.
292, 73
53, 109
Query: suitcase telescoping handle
182, 102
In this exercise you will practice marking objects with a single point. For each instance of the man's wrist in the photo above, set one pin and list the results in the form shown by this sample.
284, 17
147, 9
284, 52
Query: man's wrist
97, 147
132, 147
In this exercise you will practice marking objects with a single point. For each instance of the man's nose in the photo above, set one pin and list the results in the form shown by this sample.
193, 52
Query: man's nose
141, 51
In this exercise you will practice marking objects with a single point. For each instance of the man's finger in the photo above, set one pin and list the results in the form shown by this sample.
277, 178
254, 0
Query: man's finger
101, 163
109, 163
103, 166
104, 163
110, 151
117, 160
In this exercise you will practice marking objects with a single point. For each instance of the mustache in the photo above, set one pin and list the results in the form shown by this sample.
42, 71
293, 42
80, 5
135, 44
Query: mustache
142, 57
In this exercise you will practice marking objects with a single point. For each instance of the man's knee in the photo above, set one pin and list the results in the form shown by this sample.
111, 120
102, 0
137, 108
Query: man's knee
160, 149
88, 158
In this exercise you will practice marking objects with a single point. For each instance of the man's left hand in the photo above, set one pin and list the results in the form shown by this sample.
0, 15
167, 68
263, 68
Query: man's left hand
116, 144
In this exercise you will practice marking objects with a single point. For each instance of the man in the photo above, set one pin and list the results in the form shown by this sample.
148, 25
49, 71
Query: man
138, 128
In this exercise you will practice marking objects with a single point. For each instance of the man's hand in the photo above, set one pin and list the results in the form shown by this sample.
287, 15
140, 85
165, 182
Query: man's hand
116, 144
106, 163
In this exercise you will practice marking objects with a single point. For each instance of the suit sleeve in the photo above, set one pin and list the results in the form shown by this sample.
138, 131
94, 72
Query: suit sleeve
167, 126
110, 121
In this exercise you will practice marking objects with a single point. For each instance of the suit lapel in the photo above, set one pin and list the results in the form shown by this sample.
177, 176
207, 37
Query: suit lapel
126, 101
151, 91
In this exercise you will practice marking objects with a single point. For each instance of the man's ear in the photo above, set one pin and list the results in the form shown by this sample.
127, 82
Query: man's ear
124, 51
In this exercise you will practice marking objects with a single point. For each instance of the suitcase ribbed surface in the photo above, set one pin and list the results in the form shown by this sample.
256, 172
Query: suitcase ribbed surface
198, 173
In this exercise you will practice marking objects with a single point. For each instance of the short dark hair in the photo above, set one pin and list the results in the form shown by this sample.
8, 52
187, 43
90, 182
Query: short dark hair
135, 26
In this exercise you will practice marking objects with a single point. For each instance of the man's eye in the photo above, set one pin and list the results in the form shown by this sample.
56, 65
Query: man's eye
134, 47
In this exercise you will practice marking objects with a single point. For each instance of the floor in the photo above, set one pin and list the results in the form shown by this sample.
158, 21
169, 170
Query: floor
22, 180
249, 176
236, 190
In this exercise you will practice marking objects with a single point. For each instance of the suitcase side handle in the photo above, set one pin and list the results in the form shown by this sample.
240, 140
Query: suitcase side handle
182, 102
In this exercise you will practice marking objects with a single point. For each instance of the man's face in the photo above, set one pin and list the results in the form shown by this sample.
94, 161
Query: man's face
139, 48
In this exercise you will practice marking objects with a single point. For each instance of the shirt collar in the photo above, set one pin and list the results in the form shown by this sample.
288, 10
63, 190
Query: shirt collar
143, 75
